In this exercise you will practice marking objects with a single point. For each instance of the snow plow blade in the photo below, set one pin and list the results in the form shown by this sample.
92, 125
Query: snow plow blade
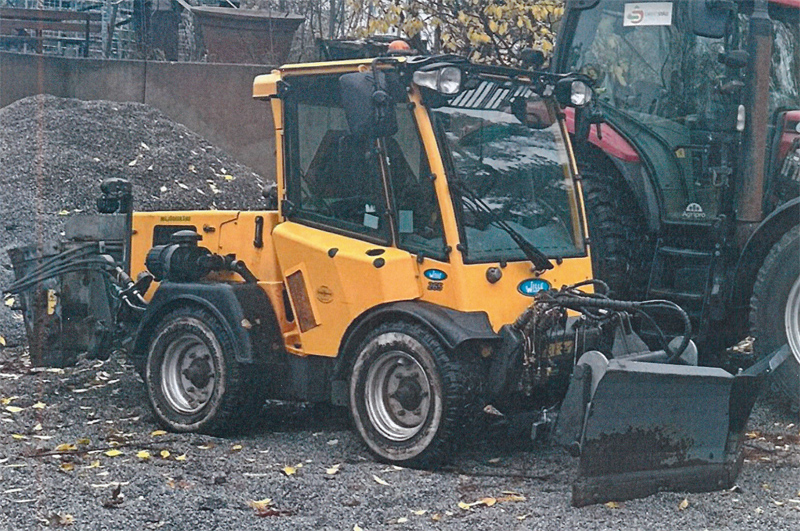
641, 427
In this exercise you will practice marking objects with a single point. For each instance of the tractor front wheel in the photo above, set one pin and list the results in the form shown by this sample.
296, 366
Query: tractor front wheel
409, 399
775, 312
617, 230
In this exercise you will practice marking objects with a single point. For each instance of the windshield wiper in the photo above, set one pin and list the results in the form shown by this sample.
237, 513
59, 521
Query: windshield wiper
477, 205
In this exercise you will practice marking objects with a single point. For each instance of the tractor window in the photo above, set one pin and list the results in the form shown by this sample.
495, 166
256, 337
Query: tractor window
419, 225
334, 178
785, 80
659, 83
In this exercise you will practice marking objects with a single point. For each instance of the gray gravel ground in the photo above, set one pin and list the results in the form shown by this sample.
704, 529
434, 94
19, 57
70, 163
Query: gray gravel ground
55, 152
97, 407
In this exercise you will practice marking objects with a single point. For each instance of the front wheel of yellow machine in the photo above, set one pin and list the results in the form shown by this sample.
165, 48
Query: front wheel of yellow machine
409, 400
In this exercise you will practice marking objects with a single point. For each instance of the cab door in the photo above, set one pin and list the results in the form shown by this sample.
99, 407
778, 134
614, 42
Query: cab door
336, 250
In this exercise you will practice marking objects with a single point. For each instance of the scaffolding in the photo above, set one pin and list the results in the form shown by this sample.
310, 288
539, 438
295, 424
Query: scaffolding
123, 31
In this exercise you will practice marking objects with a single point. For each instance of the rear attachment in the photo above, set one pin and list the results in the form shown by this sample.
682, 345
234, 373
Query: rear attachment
75, 294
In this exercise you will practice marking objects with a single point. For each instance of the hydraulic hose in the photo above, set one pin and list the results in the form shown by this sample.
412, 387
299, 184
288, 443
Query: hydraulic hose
569, 297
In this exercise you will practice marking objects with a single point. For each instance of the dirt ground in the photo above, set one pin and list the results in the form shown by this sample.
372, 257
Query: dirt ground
80, 448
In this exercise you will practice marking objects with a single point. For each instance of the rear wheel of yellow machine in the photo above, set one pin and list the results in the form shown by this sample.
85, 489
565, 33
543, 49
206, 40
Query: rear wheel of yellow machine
775, 312
409, 400
193, 380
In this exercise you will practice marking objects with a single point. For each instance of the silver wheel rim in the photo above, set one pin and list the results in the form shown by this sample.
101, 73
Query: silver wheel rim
187, 374
397, 396
792, 319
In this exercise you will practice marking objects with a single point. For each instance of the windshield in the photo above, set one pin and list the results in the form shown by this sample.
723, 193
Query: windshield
659, 83
521, 173
656, 67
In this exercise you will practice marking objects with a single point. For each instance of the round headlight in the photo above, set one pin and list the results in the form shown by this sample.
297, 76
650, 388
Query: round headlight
580, 94
426, 79
449, 80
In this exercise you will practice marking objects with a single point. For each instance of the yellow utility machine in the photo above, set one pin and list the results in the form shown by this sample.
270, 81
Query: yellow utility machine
421, 263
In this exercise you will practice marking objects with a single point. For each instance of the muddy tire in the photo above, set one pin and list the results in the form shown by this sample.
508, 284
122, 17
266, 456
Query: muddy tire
775, 312
410, 401
193, 379
617, 231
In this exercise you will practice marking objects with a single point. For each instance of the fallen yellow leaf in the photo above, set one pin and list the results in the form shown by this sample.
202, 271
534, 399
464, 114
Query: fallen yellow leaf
260, 505
113, 453
67, 467
488, 502
356, 527
402, 520
465, 506
436, 517
39, 405
143, 455
289, 470
157, 433
10, 301
684, 504
164, 454
181, 457
13, 409
38, 427
612, 505
6, 401
332, 471
65, 519
66, 447
94, 464
380, 481
420, 512
2, 341
18, 436
236, 447
511, 498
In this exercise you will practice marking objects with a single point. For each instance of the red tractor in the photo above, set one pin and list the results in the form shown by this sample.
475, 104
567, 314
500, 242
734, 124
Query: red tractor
692, 165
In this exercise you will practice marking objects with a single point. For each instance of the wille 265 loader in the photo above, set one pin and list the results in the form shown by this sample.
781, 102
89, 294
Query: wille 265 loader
425, 257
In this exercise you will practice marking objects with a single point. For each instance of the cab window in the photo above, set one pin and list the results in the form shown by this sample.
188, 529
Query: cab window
335, 178
419, 225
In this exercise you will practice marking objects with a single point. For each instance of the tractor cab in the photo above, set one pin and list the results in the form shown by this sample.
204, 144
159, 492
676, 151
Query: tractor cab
673, 79
427, 179
699, 102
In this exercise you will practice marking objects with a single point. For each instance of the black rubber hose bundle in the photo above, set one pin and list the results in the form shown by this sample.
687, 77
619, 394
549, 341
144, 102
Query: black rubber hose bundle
592, 304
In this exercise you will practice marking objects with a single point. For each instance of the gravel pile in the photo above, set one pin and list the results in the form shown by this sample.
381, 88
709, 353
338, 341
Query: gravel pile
55, 152
69, 438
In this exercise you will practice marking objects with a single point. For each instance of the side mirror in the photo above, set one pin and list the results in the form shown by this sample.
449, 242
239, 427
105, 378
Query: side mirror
533, 112
709, 18
369, 101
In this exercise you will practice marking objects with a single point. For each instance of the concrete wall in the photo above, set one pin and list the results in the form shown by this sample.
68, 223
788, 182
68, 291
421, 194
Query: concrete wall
214, 100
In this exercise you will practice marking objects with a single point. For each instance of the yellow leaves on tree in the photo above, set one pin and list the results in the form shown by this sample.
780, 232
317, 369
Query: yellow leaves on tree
486, 30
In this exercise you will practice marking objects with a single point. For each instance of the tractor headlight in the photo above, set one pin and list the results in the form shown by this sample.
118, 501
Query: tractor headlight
446, 80
580, 93
573, 92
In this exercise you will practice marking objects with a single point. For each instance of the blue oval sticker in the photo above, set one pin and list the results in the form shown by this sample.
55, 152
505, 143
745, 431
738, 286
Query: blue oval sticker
532, 286
435, 274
